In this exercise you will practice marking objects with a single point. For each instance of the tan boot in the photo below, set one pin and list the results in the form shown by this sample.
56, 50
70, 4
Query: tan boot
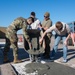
16, 60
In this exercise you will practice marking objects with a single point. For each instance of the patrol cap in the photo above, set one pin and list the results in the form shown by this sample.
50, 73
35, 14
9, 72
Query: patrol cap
47, 14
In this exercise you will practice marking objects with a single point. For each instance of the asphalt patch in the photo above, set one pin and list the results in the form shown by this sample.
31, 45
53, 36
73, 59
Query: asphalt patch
50, 68
33, 67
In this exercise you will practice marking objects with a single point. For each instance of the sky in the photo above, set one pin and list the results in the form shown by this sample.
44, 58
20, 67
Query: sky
60, 10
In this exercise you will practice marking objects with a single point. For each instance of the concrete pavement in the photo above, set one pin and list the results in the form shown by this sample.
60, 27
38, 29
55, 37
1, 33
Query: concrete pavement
57, 64
70, 55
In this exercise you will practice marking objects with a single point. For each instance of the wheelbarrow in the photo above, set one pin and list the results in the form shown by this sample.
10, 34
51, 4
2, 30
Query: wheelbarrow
37, 49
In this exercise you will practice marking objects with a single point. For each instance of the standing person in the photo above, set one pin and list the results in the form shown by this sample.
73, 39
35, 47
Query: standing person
12, 39
34, 25
47, 23
62, 30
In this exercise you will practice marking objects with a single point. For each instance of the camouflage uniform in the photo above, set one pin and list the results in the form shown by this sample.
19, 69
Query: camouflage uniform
11, 35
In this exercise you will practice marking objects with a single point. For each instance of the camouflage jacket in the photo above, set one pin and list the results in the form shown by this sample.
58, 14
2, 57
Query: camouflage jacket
17, 24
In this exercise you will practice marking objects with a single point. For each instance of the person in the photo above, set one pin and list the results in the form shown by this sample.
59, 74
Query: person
12, 39
72, 35
62, 30
73, 38
36, 23
47, 23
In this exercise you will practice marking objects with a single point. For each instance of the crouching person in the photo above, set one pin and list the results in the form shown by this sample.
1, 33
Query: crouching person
62, 30
12, 39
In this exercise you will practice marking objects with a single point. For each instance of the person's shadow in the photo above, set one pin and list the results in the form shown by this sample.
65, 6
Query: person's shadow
22, 54
70, 54
1, 56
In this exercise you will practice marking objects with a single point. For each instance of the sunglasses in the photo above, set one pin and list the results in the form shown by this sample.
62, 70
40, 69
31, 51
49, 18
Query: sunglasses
46, 16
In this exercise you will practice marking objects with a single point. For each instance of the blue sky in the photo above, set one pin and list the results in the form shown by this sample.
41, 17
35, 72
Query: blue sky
60, 10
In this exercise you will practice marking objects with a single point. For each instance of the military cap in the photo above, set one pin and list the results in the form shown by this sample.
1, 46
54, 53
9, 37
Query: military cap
47, 14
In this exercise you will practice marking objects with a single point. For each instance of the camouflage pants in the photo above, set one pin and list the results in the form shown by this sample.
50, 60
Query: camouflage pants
11, 39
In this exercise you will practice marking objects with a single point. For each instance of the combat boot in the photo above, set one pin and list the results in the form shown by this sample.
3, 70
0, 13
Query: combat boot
16, 60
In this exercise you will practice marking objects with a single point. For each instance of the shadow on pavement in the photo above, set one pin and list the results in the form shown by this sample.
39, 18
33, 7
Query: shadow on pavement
22, 54
70, 55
